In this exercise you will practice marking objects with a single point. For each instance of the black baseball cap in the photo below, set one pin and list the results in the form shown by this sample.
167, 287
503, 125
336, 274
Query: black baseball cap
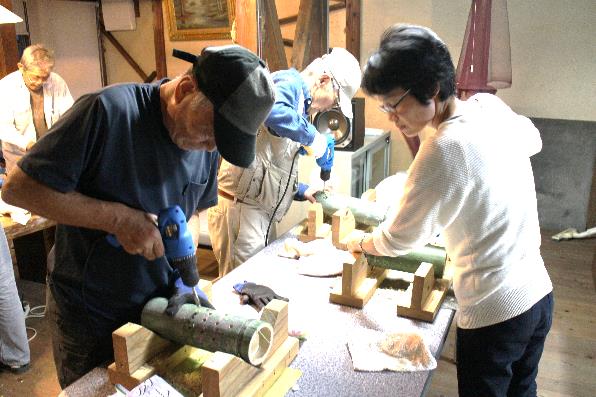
238, 84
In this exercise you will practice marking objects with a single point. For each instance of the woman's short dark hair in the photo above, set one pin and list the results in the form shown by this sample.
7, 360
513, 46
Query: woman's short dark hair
411, 57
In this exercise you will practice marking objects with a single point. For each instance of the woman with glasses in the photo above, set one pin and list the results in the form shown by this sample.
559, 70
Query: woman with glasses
472, 185
32, 99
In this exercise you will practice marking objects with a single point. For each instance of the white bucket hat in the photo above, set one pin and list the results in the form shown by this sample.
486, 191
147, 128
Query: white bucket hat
345, 70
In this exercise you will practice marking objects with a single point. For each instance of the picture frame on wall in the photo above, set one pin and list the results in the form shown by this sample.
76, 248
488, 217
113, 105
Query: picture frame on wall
200, 19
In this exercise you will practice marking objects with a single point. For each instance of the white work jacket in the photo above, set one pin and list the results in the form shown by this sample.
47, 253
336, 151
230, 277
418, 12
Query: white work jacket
16, 116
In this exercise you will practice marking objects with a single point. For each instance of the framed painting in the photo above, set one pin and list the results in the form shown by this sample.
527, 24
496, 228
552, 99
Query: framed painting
200, 19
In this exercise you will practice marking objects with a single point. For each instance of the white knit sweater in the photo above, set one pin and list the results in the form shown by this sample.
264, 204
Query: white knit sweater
472, 181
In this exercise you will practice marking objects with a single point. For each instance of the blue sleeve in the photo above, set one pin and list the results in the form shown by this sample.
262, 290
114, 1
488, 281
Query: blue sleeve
299, 196
284, 119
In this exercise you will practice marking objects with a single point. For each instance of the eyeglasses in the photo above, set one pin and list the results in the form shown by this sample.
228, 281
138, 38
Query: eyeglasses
385, 108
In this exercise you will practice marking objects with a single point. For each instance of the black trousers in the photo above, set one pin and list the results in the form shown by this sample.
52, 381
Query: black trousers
502, 359
77, 350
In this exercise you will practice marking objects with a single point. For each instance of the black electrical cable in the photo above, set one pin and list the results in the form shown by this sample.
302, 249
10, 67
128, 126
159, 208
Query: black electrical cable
281, 199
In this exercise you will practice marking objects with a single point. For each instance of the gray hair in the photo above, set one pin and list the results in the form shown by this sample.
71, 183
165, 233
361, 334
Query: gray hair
37, 56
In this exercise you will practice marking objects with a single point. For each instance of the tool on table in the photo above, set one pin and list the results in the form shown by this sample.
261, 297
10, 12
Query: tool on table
178, 245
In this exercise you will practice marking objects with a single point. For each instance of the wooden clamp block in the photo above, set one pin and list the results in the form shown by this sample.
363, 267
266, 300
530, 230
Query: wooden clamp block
315, 227
425, 295
358, 283
342, 225
221, 375
228, 375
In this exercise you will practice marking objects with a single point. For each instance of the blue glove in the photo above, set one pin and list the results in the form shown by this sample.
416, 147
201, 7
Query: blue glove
183, 294
259, 295
302, 188
326, 160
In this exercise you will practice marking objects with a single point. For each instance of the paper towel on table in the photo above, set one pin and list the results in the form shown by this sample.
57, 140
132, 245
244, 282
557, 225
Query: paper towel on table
398, 351
316, 258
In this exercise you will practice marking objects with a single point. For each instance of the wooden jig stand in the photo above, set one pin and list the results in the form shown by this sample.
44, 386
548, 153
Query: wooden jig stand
140, 353
314, 227
359, 281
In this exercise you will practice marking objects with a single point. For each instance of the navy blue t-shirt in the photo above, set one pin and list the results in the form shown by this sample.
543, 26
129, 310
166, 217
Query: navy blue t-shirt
112, 145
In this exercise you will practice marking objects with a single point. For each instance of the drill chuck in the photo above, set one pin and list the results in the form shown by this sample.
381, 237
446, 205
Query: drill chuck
187, 268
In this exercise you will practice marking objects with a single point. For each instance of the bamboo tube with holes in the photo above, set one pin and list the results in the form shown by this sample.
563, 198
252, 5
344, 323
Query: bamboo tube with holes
210, 330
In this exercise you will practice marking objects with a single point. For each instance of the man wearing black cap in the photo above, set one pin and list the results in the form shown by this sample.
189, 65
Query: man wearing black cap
116, 158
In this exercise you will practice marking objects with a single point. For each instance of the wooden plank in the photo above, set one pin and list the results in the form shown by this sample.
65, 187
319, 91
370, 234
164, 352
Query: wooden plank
353, 12
132, 380
315, 219
127, 57
272, 369
423, 299
424, 280
161, 67
358, 283
353, 274
247, 25
134, 345
342, 225
311, 37
9, 56
13, 229
225, 375
276, 314
272, 45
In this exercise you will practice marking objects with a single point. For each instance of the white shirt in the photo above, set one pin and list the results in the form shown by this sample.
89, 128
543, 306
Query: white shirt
16, 117
472, 181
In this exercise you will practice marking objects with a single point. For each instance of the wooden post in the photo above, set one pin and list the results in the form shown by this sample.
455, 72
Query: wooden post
9, 56
161, 67
272, 45
311, 36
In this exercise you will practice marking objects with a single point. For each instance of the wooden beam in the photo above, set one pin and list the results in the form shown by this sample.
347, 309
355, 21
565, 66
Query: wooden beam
9, 56
353, 12
294, 18
311, 36
247, 25
272, 45
123, 52
158, 41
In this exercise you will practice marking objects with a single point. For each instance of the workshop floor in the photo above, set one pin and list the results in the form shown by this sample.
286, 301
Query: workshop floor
566, 368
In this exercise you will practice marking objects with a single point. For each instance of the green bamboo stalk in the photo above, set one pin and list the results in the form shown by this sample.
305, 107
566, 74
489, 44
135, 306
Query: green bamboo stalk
365, 212
210, 330
410, 262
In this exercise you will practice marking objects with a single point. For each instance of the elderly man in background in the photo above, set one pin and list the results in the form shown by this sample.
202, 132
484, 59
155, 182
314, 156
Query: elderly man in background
32, 99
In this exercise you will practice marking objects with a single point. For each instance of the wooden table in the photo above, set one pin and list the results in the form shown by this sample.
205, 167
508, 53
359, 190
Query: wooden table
29, 245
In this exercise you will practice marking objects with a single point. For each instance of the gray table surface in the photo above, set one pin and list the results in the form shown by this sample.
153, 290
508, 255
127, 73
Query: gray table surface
323, 358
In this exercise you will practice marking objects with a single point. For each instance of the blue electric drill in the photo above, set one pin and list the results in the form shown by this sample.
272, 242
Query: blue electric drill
178, 245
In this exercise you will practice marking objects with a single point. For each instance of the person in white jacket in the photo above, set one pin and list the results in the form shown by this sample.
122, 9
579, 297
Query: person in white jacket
472, 182
32, 99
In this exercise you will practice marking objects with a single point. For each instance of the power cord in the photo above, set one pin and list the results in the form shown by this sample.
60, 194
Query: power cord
281, 199
33, 312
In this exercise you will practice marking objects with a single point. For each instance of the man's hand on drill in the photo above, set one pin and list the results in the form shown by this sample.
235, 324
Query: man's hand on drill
325, 161
136, 231
183, 294
259, 295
